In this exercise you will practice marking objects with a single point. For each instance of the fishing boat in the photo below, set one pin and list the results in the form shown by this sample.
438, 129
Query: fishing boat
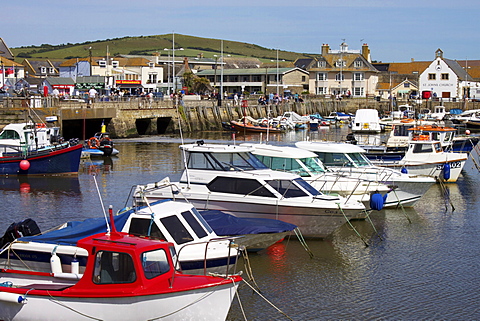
125, 278
307, 164
427, 157
99, 145
231, 179
398, 141
35, 149
350, 160
175, 222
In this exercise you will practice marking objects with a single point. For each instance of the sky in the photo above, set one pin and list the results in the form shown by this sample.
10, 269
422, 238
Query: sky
395, 31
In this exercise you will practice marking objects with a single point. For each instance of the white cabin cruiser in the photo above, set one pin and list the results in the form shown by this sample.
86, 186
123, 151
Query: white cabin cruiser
307, 164
231, 179
350, 160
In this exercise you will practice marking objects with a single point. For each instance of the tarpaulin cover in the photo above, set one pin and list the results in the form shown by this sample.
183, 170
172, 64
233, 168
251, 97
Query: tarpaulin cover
228, 225
76, 230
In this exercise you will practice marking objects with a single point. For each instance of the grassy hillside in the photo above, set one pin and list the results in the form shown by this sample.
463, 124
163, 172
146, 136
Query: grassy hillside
147, 45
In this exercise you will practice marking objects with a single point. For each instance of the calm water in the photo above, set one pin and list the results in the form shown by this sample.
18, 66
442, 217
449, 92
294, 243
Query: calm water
422, 264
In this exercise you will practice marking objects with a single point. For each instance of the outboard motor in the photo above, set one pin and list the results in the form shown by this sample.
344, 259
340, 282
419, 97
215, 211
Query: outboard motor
27, 227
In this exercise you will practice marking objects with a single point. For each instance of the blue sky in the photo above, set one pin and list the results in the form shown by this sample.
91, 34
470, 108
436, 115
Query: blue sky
396, 31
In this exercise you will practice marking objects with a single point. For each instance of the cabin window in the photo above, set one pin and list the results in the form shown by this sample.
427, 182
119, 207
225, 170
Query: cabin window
155, 263
176, 229
9, 134
422, 148
286, 188
238, 186
334, 159
194, 224
312, 164
359, 159
145, 227
202, 220
224, 161
113, 267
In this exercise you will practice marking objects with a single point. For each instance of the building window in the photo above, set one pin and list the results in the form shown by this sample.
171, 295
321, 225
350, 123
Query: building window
322, 76
340, 77
321, 90
406, 85
358, 64
102, 63
115, 64
340, 63
358, 91
445, 76
357, 76
152, 78
52, 70
321, 64
431, 77
43, 70
304, 78
256, 78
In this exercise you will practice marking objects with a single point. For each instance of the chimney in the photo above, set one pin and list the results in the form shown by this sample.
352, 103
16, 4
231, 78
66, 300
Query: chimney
412, 59
366, 52
325, 49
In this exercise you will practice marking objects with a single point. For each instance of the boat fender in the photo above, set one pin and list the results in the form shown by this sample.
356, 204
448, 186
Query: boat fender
377, 201
24, 164
446, 171
404, 170
75, 266
12, 298
55, 263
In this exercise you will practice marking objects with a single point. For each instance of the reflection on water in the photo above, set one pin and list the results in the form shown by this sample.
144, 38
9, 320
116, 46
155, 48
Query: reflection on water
420, 263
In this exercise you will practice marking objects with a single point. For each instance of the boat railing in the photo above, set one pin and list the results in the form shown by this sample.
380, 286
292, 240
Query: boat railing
230, 255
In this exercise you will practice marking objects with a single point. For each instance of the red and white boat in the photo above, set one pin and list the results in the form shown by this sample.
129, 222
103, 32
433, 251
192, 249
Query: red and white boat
126, 278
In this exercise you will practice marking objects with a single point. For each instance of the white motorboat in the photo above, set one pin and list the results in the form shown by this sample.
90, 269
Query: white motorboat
176, 222
366, 121
231, 179
350, 159
307, 164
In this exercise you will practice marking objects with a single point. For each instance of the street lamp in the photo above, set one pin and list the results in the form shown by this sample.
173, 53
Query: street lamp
173, 61
278, 90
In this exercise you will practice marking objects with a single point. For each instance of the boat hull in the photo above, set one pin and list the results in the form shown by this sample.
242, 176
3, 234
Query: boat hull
210, 303
314, 221
49, 161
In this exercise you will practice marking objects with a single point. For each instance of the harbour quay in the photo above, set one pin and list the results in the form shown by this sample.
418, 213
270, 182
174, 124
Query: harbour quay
137, 116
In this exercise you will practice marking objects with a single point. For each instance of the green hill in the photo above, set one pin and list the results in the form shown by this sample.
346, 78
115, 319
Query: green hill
147, 45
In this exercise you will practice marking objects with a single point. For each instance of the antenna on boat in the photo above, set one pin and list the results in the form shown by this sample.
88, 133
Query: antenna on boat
101, 201
182, 142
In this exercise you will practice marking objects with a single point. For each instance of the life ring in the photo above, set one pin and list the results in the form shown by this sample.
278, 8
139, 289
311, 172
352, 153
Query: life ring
265, 121
40, 125
284, 119
421, 137
93, 142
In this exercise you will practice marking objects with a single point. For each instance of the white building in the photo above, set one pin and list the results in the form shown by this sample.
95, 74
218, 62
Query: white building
445, 79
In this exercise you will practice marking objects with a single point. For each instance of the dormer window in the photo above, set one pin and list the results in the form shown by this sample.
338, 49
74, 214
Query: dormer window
102, 63
151, 64
115, 64
43, 70
340, 63
51, 70
321, 64
358, 64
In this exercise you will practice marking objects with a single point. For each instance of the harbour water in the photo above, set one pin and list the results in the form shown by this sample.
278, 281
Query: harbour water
421, 263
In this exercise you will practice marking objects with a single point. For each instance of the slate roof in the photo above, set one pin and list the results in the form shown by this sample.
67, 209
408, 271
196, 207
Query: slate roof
251, 71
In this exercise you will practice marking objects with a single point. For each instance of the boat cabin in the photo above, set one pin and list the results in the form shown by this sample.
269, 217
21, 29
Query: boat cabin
28, 136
